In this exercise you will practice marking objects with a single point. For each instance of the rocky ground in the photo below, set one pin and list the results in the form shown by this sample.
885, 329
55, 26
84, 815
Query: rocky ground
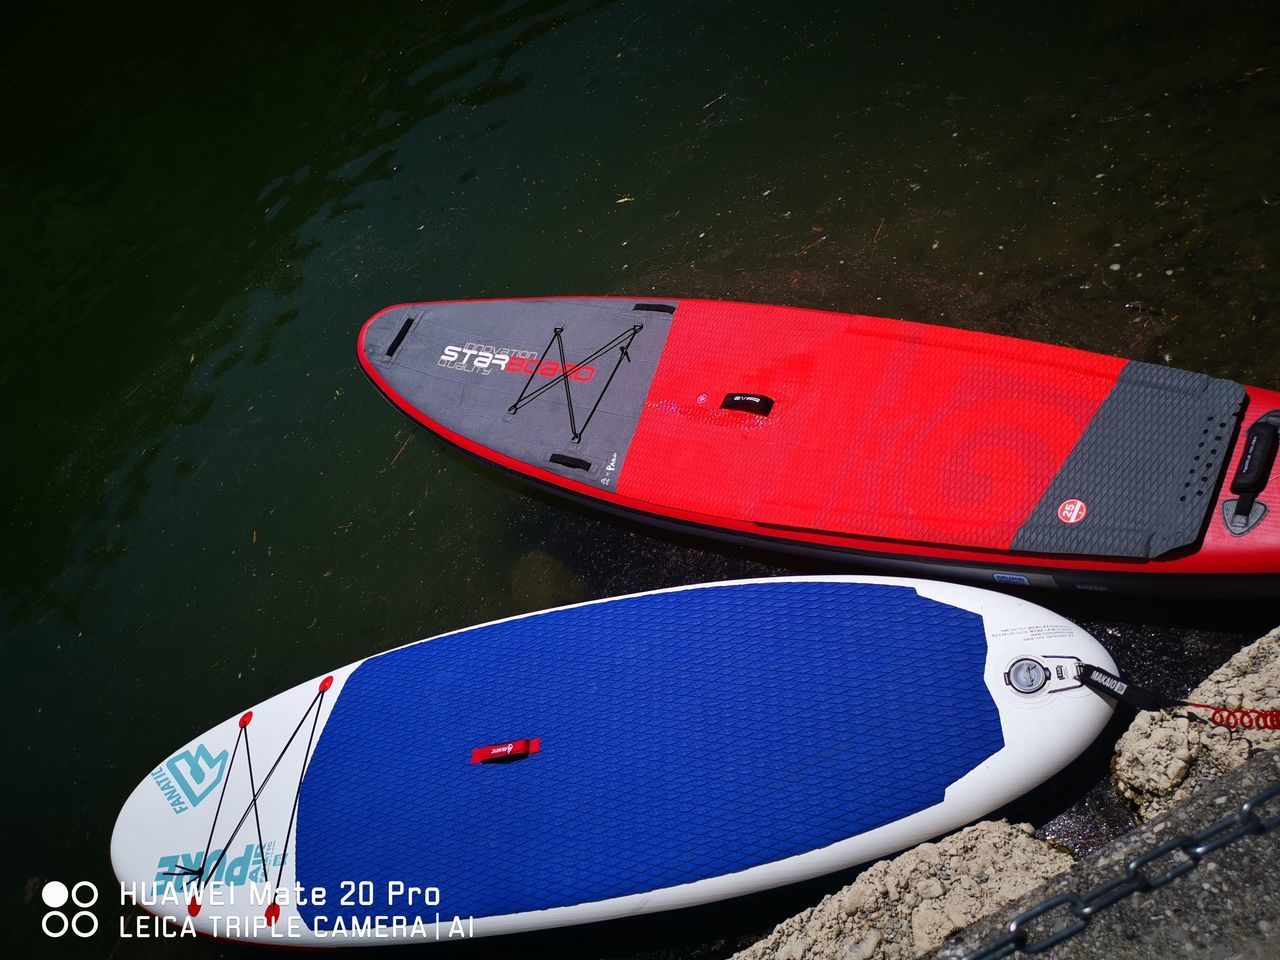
1165, 757
1228, 908
908, 906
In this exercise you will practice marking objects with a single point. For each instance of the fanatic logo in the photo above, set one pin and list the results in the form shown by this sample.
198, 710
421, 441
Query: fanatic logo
231, 867
190, 776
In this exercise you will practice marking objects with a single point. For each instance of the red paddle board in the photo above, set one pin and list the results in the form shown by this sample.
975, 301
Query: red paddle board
922, 448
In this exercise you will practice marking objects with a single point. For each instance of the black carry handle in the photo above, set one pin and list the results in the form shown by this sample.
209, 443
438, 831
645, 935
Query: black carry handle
573, 463
1255, 464
399, 337
756, 403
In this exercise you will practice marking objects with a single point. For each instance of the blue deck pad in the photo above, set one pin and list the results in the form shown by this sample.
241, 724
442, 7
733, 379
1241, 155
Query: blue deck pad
685, 735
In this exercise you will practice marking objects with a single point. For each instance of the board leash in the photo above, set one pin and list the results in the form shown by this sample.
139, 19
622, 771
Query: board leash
204, 870
1142, 698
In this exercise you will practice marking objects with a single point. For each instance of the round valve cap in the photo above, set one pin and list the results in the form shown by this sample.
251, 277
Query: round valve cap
1027, 676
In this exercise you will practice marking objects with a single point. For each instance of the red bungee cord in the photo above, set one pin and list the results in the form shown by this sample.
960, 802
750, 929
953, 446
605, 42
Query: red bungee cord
1241, 719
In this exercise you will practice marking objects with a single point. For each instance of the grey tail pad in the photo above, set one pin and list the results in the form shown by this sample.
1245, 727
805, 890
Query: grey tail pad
1145, 470
465, 364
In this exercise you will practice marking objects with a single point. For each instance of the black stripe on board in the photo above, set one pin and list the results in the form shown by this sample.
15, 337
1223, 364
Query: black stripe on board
573, 463
404, 332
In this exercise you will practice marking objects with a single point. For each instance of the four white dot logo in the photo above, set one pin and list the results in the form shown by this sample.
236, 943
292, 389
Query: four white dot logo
82, 922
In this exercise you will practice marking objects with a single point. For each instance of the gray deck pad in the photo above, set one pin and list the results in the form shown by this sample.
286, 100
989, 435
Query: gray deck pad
1147, 467
464, 365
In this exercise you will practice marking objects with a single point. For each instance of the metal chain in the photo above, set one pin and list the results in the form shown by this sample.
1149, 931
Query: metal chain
1136, 878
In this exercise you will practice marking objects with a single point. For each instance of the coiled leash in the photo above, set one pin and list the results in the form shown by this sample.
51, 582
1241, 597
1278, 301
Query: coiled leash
1142, 698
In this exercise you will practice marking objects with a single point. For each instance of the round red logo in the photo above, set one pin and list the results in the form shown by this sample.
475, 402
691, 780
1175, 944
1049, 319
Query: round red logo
1072, 511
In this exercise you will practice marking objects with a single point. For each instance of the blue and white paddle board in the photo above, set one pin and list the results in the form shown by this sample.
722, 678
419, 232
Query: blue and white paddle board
610, 758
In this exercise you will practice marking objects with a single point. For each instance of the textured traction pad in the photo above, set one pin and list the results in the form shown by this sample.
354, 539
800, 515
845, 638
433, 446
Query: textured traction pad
684, 735
1146, 468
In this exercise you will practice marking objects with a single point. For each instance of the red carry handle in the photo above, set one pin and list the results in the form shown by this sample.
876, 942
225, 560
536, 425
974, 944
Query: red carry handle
501, 752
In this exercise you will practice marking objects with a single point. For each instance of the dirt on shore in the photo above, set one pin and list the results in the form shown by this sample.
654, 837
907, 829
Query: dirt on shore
906, 906
1165, 757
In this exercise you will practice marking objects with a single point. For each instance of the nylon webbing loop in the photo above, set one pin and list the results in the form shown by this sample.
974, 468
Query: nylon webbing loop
1109, 685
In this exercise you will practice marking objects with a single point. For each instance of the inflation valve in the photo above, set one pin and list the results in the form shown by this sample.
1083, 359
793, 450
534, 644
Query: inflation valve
1026, 675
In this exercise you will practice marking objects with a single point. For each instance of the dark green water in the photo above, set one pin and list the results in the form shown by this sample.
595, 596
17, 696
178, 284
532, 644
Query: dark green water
204, 502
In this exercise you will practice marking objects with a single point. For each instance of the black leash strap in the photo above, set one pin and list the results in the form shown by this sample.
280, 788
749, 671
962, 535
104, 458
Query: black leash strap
1130, 694
1141, 698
